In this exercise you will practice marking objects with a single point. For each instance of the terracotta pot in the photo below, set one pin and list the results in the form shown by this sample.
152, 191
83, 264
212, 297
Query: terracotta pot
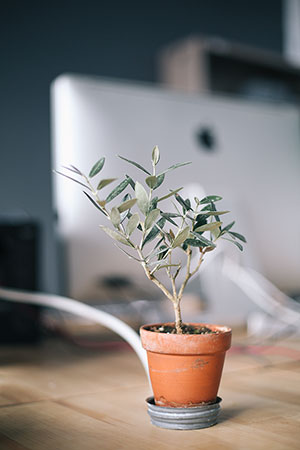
185, 369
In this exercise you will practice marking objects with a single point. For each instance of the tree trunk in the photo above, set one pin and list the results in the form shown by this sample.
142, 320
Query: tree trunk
178, 320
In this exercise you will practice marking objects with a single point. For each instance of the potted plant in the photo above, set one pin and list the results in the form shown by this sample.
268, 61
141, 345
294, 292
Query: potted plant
185, 360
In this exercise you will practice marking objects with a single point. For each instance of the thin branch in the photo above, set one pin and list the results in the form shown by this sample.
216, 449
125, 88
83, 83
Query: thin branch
153, 278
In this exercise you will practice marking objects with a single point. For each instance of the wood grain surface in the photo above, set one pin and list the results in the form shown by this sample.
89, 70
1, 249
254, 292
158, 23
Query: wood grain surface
59, 397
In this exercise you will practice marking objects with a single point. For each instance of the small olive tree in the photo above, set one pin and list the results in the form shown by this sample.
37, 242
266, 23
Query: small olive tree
187, 225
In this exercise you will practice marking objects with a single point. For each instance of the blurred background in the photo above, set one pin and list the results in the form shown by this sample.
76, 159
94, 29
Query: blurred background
238, 50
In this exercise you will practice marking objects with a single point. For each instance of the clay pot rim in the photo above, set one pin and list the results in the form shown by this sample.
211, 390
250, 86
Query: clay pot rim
223, 329
186, 343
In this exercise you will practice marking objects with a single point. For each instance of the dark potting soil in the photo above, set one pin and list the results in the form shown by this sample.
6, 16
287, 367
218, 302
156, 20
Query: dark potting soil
186, 329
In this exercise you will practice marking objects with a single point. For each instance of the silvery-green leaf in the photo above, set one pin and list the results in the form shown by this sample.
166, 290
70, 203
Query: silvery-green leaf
212, 213
94, 203
160, 179
151, 254
142, 198
132, 223
135, 164
199, 243
235, 243
175, 167
128, 204
77, 170
213, 207
197, 201
154, 231
118, 189
168, 217
215, 233
104, 183
181, 237
73, 169
151, 181
130, 181
97, 167
200, 220
228, 227
186, 204
169, 195
155, 155
126, 213
115, 217
163, 250
115, 235
153, 204
238, 236
211, 198
203, 240
209, 226
151, 218
73, 179
128, 254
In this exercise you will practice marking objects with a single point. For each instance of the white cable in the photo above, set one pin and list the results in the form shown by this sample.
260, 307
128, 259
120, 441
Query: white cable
80, 309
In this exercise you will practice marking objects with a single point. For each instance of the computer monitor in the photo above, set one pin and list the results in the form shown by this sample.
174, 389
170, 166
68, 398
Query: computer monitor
248, 152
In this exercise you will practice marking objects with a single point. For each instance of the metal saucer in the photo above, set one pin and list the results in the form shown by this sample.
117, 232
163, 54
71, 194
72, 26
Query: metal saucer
193, 418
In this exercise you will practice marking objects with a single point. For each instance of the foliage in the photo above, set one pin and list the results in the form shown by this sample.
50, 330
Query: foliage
194, 227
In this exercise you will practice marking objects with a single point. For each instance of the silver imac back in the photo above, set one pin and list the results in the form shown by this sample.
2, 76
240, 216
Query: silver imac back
247, 152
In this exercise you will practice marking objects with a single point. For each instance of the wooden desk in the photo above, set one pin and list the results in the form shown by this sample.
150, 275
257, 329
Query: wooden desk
58, 397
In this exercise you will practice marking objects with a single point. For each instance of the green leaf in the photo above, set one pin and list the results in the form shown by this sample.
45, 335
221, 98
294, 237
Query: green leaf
125, 213
135, 164
97, 167
128, 204
166, 214
203, 240
94, 203
132, 223
104, 183
151, 181
168, 217
210, 198
185, 205
115, 235
238, 236
160, 179
154, 231
73, 179
175, 167
199, 243
228, 227
181, 237
169, 195
212, 213
153, 204
142, 198
117, 190
115, 217
151, 218
208, 226
155, 155
73, 169
130, 181
213, 207
200, 220
163, 249
235, 243
128, 254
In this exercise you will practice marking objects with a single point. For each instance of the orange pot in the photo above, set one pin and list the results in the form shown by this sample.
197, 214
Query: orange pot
185, 369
